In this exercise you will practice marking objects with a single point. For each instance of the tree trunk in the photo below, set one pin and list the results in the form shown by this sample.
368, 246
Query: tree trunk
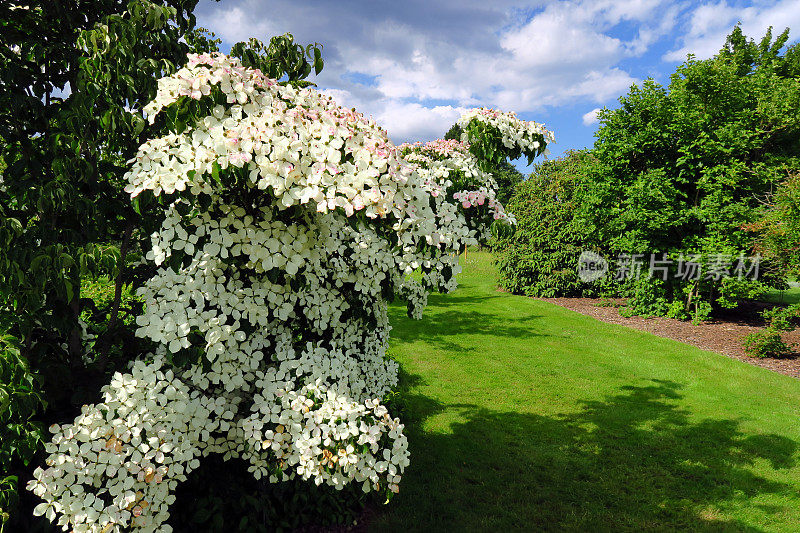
105, 342
74, 343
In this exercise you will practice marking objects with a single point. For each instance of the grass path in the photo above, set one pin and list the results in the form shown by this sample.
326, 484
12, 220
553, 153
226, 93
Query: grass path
522, 415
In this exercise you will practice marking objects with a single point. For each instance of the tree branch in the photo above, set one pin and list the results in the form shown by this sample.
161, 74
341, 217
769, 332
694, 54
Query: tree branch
105, 342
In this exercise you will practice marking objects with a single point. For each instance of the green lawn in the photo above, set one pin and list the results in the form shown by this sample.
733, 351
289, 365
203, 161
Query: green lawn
789, 296
522, 415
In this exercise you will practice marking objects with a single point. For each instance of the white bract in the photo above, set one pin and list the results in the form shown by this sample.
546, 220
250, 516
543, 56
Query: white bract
514, 132
290, 223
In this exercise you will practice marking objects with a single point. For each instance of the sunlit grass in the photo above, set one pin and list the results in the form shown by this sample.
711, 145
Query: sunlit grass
789, 296
522, 415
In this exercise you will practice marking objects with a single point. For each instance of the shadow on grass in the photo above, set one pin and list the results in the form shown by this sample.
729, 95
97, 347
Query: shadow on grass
461, 297
633, 461
441, 328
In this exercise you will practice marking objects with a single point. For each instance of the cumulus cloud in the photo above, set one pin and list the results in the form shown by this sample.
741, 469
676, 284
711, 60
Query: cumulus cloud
404, 121
427, 61
591, 117
407, 122
710, 23
237, 24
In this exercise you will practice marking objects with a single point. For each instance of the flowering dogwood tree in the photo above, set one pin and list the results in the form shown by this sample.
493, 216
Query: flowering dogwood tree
289, 224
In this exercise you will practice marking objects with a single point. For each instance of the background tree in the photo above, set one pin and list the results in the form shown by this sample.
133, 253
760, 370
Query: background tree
778, 230
682, 169
68, 74
539, 257
778, 238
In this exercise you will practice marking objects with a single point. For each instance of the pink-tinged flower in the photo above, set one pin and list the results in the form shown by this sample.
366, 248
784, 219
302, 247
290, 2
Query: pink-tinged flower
239, 158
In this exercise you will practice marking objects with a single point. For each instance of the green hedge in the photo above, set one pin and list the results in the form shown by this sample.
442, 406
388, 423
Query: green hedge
541, 257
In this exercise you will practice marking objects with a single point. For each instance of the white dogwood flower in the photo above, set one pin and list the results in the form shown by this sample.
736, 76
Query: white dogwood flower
290, 222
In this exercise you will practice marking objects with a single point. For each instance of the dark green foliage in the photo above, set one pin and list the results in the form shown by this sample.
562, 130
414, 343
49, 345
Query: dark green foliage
684, 170
67, 136
20, 433
540, 258
221, 496
507, 177
70, 73
454, 133
282, 58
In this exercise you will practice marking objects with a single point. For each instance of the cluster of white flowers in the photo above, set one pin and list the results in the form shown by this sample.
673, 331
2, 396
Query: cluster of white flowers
448, 168
290, 224
119, 462
515, 132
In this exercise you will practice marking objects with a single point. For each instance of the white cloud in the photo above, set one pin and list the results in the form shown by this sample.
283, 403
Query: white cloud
238, 24
710, 23
430, 60
413, 122
559, 37
591, 117
561, 54
404, 121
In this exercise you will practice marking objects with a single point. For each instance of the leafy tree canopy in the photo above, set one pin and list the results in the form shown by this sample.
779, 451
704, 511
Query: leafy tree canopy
683, 169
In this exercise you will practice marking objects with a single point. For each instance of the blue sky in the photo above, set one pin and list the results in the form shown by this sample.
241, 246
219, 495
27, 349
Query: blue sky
415, 65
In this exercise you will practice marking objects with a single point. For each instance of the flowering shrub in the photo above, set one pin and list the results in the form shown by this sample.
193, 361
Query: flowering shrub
448, 168
289, 223
495, 136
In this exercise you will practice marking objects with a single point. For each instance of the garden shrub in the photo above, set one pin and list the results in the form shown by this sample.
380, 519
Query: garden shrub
288, 225
766, 343
540, 258
783, 318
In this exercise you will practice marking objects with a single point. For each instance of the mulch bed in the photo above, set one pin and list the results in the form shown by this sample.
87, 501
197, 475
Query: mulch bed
724, 334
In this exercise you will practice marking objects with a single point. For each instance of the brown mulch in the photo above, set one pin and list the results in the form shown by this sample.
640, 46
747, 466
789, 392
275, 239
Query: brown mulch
724, 334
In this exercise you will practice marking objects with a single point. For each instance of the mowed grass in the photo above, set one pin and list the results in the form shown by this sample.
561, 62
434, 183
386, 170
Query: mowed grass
524, 416
789, 296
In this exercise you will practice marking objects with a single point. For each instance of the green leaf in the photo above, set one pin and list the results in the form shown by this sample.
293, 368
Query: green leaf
16, 225
69, 290
215, 168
